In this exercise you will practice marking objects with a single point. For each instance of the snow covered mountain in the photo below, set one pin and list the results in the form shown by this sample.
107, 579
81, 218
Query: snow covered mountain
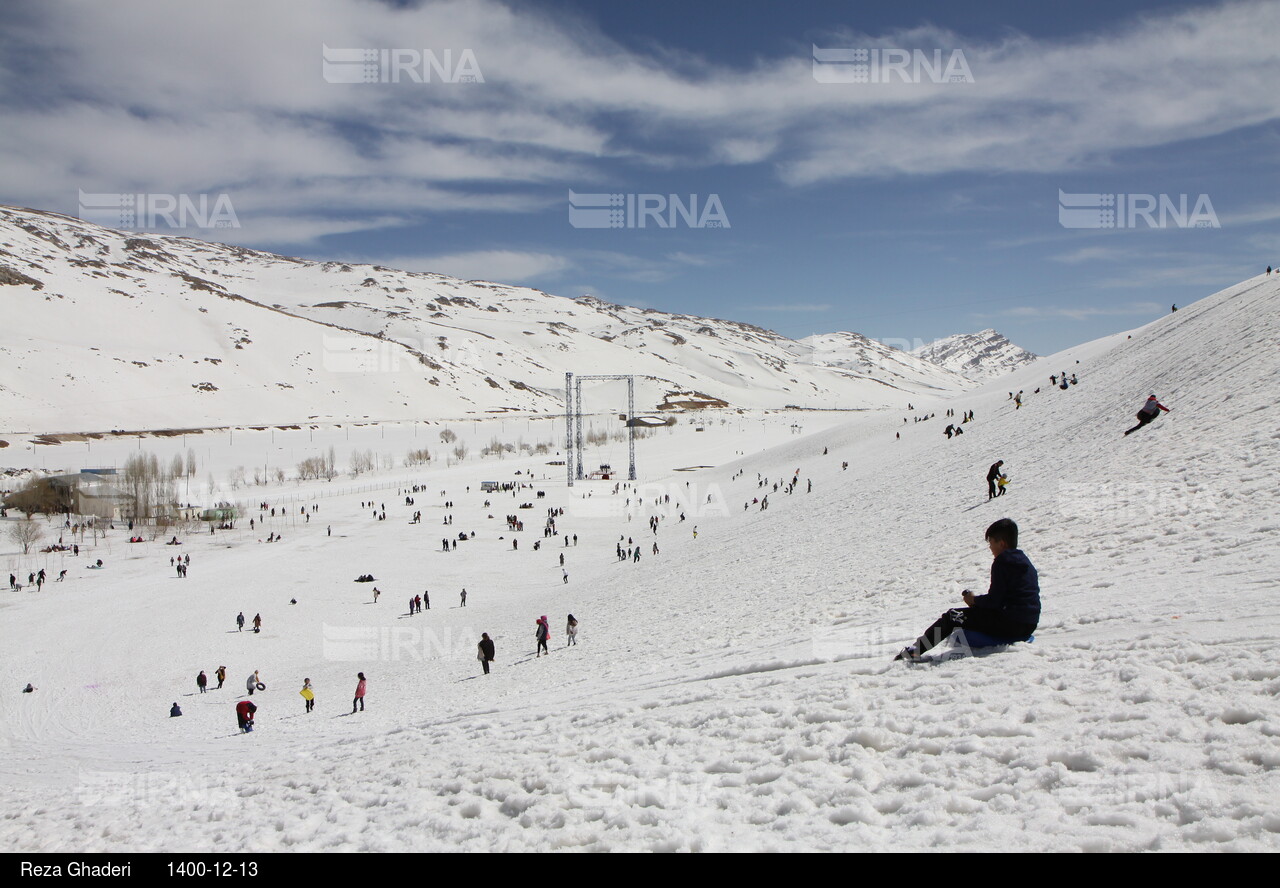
108, 329
855, 353
977, 356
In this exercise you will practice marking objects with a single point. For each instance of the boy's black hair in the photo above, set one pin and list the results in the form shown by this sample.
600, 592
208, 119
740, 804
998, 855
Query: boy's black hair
1005, 530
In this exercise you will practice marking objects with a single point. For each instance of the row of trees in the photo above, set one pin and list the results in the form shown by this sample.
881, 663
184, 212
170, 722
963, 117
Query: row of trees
151, 486
316, 467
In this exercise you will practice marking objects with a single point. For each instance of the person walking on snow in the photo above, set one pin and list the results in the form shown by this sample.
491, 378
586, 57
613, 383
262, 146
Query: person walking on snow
484, 651
1009, 612
360, 689
240, 622
1149, 412
221, 675
992, 474
257, 622
464, 598
308, 694
571, 631
251, 683
543, 634
202, 681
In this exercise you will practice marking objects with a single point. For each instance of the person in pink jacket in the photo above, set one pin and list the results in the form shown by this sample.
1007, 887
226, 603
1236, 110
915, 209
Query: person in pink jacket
359, 693
543, 634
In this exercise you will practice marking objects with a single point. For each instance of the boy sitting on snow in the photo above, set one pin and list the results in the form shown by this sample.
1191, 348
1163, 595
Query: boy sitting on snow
1009, 612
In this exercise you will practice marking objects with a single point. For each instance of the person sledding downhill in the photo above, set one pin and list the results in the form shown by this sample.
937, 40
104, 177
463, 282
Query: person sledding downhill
1008, 613
1149, 412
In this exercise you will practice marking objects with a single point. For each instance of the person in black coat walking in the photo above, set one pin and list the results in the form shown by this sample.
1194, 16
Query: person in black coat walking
992, 474
1009, 612
484, 651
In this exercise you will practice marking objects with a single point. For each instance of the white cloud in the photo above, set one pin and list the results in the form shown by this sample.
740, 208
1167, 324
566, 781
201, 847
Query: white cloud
1092, 254
157, 96
1076, 312
507, 266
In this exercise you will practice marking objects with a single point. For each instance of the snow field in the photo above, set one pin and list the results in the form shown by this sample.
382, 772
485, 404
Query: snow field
734, 692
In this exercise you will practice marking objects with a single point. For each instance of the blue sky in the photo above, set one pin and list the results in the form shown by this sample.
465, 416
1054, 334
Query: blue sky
900, 208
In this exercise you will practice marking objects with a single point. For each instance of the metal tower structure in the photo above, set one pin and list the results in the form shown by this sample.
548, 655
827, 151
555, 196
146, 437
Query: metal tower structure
573, 423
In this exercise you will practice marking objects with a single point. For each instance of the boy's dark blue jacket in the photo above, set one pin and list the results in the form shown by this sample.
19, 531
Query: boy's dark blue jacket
1015, 588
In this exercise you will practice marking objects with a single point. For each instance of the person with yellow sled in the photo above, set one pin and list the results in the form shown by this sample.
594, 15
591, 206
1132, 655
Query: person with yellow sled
308, 694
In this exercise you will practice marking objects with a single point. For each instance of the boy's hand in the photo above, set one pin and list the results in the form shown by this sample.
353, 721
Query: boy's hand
968, 597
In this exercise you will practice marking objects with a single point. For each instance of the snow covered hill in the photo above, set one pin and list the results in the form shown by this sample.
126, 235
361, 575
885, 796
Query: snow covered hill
734, 690
107, 330
855, 353
977, 356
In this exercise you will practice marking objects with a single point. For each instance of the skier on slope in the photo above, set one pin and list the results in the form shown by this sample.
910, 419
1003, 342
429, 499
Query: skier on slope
1009, 612
1149, 412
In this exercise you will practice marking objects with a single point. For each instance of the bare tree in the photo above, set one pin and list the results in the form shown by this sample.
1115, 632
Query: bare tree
448, 436
26, 533
460, 452
417, 457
